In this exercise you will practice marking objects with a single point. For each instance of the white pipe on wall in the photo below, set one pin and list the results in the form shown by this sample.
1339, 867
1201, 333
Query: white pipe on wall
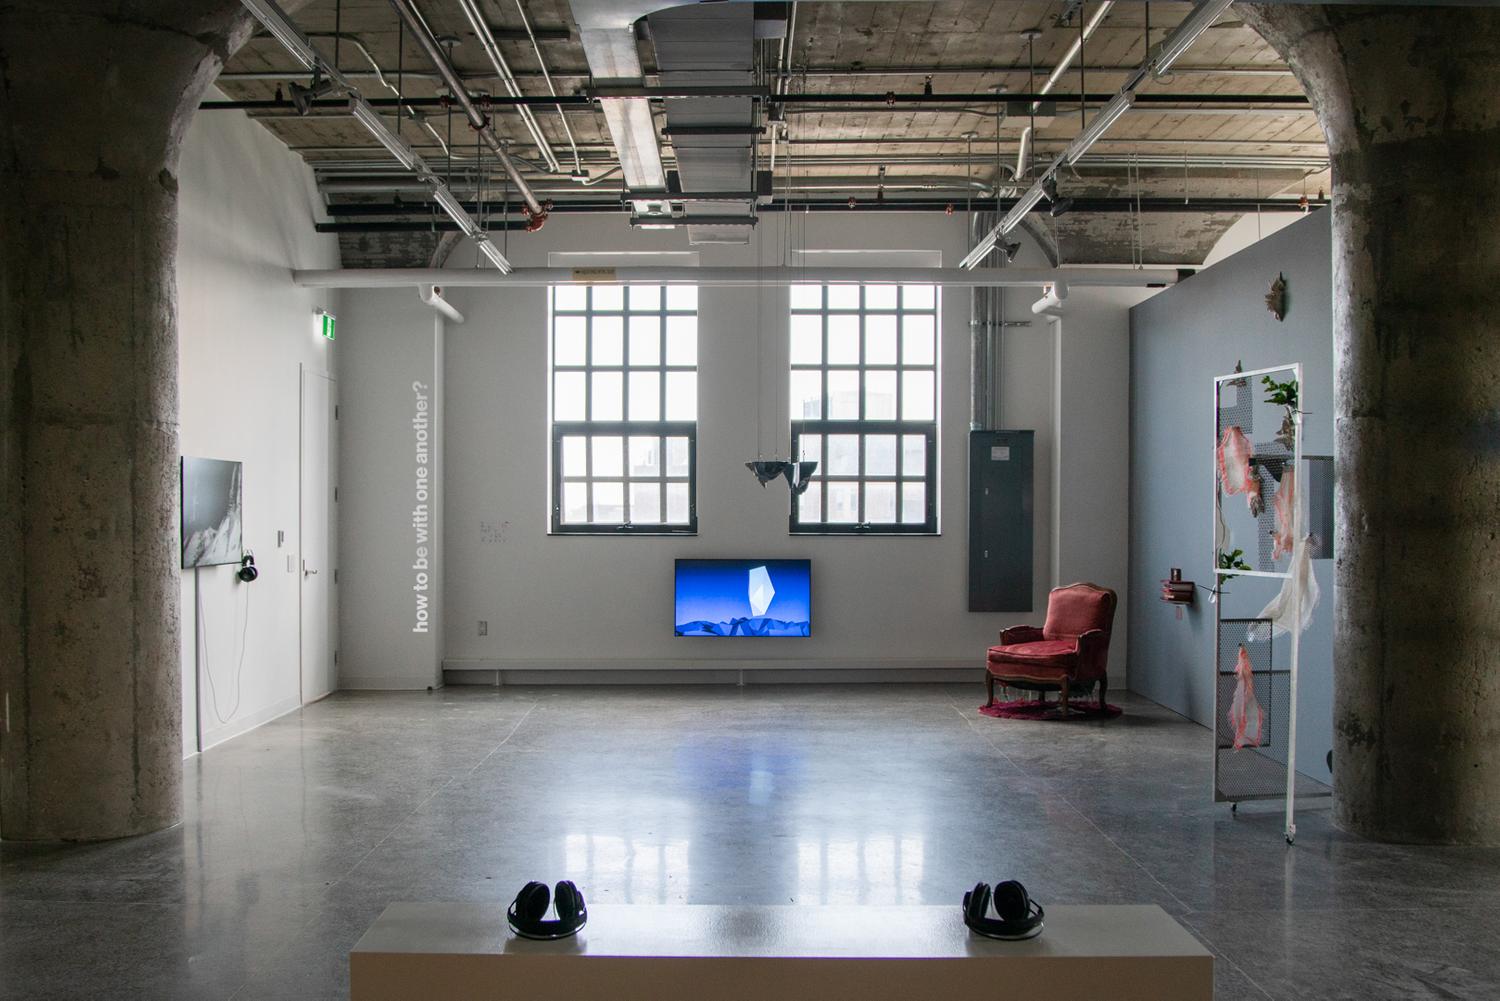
432, 295
1123, 277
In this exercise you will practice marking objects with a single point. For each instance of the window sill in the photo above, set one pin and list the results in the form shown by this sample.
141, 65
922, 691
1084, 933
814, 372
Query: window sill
616, 533
848, 534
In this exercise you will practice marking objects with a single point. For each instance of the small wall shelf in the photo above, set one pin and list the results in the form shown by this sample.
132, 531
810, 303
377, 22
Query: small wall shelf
1178, 592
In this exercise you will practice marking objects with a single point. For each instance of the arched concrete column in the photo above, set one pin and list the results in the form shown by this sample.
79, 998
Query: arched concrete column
1407, 98
94, 100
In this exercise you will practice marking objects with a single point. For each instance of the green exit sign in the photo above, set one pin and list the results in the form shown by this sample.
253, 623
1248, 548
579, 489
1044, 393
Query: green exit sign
326, 322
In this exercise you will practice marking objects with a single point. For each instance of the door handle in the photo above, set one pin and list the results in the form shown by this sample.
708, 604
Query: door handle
308, 573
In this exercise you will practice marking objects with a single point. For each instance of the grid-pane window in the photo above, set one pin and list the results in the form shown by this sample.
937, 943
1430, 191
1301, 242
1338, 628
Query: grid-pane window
864, 405
624, 408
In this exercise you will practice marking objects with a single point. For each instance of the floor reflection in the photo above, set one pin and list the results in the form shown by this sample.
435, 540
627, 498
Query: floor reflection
877, 869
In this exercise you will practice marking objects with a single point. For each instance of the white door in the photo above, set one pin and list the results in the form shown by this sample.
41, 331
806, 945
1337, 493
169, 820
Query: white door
319, 531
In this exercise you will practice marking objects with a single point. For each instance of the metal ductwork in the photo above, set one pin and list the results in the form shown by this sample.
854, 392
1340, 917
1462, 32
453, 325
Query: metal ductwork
711, 45
607, 30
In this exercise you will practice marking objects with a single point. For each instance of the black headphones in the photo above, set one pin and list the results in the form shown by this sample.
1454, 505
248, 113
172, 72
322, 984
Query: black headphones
247, 571
527, 914
1019, 917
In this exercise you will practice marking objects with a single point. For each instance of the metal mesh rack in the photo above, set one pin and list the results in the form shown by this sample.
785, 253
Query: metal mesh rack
1267, 770
1251, 772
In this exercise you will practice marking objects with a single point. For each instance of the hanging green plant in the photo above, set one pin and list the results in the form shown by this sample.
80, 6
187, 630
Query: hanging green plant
1233, 559
1283, 394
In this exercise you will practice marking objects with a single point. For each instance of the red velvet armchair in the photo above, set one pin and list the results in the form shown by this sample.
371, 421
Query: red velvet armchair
1068, 653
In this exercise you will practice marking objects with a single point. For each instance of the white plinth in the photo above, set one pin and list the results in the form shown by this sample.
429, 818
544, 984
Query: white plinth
438, 952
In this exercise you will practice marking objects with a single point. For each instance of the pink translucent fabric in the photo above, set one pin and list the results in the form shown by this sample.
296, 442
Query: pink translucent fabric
1285, 506
1234, 462
1245, 715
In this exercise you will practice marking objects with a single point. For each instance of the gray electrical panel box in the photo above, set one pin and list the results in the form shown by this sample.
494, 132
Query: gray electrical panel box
1001, 466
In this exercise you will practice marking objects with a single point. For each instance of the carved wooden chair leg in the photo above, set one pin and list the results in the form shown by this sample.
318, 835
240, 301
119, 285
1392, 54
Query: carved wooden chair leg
1065, 697
989, 682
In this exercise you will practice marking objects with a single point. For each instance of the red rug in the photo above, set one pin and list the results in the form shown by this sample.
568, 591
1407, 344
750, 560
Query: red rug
1030, 709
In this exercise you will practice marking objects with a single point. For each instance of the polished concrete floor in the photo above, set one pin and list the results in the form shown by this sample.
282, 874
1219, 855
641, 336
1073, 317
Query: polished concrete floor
300, 832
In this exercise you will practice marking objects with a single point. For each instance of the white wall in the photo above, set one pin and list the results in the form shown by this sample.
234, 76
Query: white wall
1091, 468
391, 373
1247, 229
246, 214
605, 602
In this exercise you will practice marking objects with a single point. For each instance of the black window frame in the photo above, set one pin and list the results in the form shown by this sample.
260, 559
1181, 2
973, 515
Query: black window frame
866, 427
625, 428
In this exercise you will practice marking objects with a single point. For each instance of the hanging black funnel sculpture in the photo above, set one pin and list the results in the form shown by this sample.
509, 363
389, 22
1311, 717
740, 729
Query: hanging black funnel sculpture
767, 470
804, 471
797, 474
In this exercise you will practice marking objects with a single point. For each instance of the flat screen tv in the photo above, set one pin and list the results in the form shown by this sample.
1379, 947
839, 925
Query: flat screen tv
744, 598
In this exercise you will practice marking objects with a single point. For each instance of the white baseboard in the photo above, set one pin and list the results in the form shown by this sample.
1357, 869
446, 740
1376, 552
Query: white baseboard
213, 736
384, 683
467, 671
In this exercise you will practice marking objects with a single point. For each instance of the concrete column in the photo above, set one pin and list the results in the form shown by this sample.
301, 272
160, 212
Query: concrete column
96, 97
1407, 97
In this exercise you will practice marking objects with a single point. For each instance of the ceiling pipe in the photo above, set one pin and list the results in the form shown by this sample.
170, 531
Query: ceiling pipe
611, 200
478, 121
502, 68
276, 21
1023, 152
811, 72
385, 82
745, 277
592, 148
371, 186
551, 88
863, 103
1177, 41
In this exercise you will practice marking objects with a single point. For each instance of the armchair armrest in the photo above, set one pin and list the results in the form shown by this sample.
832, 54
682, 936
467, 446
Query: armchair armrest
1093, 648
1020, 634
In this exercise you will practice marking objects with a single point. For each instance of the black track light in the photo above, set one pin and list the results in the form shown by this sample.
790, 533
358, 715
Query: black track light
303, 97
1059, 205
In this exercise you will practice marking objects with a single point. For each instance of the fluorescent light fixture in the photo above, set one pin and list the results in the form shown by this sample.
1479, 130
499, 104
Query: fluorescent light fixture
278, 24
1199, 20
1018, 211
983, 247
456, 212
491, 251
1107, 116
371, 120
654, 220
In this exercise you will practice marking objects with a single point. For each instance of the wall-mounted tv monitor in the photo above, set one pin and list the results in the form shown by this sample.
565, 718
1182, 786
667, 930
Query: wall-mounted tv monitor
744, 598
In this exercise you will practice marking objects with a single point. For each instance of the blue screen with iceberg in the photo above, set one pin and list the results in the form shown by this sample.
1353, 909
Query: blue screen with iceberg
744, 598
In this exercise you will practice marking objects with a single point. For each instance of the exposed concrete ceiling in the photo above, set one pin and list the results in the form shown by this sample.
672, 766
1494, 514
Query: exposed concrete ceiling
1190, 148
